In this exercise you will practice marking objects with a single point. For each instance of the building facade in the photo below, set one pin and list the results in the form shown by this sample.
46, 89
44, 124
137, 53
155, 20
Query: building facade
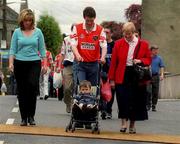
11, 23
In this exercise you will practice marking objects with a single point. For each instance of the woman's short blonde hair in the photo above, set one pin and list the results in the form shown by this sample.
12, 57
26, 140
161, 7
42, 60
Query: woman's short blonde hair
24, 15
128, 27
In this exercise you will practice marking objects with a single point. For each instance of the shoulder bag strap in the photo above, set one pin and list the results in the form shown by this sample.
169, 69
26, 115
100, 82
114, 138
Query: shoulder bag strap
137, 50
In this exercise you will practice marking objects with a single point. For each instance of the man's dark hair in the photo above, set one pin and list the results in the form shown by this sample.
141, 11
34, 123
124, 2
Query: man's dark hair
89, 12
154, 47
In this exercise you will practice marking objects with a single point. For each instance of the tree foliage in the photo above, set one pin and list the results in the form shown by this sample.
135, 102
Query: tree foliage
134, 14
51, 31
116, 28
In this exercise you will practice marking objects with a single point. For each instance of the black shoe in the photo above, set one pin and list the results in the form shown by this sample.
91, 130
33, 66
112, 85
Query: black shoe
31, 121
23, 122
41, 98
154, 108
46, 97
123, 130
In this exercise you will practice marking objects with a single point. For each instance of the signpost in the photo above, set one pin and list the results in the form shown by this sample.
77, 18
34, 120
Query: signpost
3, 44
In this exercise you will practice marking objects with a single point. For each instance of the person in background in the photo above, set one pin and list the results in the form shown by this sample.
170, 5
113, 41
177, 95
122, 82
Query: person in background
67, 58
44, 77
12, 84
130, 92
1, 78
157, 69
58, 67
110, 44
87, 39
25, 62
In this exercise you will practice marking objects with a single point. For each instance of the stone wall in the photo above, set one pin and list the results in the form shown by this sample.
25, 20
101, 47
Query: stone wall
161, 26
170, 87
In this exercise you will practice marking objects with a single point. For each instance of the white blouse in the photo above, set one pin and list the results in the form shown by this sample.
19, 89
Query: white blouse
132, 46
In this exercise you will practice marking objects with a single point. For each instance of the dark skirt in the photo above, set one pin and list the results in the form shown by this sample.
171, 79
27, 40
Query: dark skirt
131, 98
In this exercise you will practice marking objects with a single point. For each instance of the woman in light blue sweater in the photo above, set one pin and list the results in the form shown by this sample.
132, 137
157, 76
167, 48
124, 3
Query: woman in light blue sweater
25, 61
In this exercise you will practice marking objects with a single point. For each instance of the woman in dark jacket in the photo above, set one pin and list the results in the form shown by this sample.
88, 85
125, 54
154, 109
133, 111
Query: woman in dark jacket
130, 93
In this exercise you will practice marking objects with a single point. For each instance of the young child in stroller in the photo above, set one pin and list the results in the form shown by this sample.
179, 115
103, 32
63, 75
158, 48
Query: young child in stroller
84, 109
85, 100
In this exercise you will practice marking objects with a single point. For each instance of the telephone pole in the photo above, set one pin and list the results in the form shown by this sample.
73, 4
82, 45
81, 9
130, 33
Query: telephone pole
4, 30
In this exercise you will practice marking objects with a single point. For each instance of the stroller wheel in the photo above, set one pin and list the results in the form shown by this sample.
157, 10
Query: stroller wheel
67, 129
93, 128
69, 126
98, 131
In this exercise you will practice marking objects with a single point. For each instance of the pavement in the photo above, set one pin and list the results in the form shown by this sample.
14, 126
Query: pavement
162, 126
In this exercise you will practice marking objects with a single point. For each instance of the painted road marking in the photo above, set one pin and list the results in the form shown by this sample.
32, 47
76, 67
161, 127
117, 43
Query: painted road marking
1, 142
107, 135
10, 121
15, 109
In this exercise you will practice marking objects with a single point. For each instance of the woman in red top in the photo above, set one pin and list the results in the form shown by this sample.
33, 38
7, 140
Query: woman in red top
130, 93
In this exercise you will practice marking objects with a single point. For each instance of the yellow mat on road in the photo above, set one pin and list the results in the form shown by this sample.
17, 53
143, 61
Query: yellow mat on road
52, 131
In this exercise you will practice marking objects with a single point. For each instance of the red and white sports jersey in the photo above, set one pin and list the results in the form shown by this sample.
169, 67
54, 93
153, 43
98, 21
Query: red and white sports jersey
88, 43
57, 65
49, 59
66, 49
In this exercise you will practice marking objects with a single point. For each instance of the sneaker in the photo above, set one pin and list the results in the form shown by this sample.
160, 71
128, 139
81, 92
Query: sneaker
23, 122
31, 121
103, 115
132, 130
108, 116
68, 108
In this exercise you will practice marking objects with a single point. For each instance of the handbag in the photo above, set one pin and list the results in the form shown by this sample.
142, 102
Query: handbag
106, 91
141, 72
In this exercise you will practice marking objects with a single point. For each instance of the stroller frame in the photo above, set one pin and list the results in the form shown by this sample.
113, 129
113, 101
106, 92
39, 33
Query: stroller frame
93, 123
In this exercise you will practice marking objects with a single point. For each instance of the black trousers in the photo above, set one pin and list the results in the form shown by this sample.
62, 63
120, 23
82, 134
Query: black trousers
131, 98
155, 89
110, 103
27, 76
